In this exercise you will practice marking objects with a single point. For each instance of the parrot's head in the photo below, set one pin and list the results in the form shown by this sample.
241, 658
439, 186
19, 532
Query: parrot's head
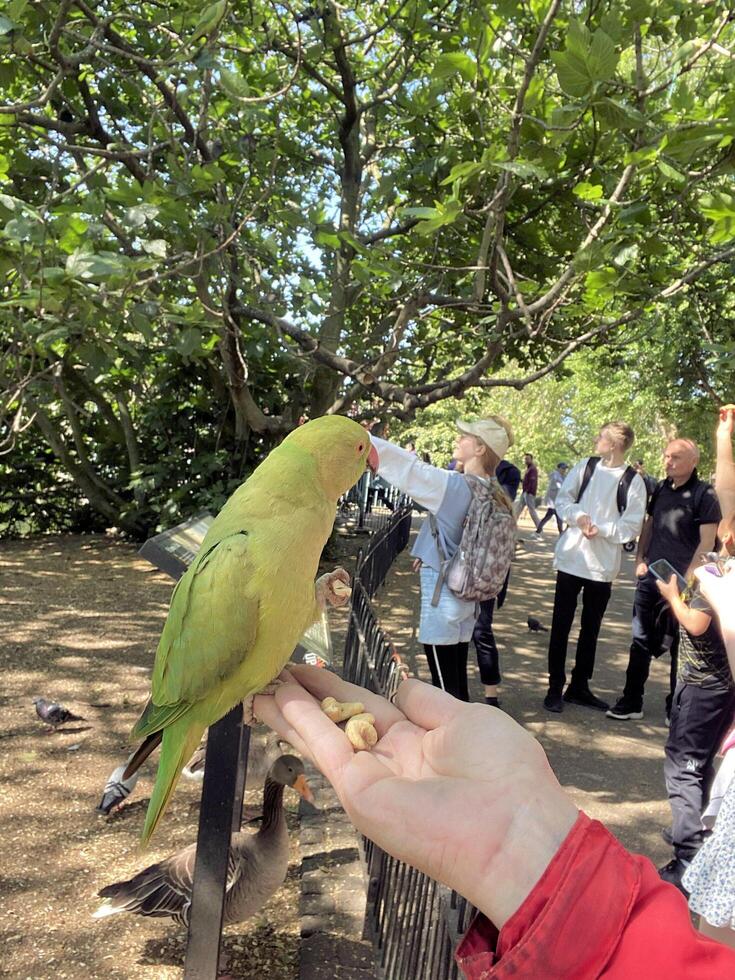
341, 449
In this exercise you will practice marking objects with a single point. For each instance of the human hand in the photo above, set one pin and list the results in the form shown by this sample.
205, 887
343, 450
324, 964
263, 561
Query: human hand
719, 591
591, 532
329, 592
726, 425
584, 522
641, 569
669, 590
438, 763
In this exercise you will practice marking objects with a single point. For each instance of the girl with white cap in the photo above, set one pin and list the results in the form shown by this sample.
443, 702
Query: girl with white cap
445, 629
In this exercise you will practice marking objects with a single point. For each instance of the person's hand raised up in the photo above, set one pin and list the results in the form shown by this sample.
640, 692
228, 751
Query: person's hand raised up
458, 790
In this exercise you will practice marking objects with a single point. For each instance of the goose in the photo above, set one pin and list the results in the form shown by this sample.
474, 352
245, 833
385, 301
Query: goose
256, 866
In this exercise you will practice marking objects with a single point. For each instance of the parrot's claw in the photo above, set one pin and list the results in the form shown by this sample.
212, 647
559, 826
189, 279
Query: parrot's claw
333, 589
249, 717
248, 713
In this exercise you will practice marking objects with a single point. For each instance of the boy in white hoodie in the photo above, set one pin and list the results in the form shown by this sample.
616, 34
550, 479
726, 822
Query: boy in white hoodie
603, 501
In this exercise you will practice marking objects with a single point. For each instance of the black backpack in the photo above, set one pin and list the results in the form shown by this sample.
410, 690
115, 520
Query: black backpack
623, 485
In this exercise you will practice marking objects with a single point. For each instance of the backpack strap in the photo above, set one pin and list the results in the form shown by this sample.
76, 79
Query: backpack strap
587, 475
623, 487
442, 559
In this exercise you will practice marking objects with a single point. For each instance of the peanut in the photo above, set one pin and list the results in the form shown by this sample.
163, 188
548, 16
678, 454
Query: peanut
341, 588
338, 711
361, 731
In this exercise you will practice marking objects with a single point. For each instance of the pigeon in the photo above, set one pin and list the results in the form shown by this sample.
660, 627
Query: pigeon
534, 626
54, 714
117, 790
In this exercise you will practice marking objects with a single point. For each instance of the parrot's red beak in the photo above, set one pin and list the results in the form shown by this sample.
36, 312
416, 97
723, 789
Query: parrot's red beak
373, 460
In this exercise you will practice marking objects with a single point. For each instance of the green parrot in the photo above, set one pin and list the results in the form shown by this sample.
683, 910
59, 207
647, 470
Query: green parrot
248, 597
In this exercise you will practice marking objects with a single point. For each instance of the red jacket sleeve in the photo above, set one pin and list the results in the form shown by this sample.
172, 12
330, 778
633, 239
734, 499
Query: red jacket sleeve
597, 911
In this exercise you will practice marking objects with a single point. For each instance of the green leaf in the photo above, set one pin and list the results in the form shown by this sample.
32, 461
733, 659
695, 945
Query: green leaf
573, 73
234, 84
603, 58
327, 236
670, 172
90, 265
455, 62
155, 246
521, 168
644, 155
25, 228
578, 38
720, 209
461, 171
189, 341
137, 216
7, 26
588, 192
209, 19
628, 253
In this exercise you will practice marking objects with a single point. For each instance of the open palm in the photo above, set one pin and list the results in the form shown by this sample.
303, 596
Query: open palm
448, 788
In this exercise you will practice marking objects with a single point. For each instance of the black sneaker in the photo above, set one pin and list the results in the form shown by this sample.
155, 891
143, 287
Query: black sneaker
624, 711
673, 873
553, 702
493, 702
585, 697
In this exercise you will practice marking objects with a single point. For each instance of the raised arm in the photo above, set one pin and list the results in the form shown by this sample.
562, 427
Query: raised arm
725, 472
427, 484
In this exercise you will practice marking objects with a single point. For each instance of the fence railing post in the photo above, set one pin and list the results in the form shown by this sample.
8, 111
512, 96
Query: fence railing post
224, 777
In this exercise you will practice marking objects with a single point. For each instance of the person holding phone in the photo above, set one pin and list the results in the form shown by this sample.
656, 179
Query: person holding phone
701, 712
683, 514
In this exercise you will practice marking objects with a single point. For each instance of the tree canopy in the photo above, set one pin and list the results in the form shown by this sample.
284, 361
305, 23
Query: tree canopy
219, 219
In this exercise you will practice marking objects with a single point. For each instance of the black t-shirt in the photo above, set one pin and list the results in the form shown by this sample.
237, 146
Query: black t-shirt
678, 513
703, 659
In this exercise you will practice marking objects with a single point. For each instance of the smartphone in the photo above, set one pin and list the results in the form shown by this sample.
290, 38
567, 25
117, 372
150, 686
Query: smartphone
663, 570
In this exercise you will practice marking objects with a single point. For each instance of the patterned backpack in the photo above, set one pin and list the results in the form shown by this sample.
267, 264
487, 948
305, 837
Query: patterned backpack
481, 563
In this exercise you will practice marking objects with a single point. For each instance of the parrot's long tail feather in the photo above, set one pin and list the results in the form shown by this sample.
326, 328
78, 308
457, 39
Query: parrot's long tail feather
179, 742
138, 757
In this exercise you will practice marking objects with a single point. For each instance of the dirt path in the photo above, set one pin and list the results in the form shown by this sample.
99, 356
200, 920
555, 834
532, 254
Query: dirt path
613, 769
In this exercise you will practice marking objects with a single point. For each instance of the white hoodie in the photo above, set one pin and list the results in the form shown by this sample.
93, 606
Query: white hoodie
597, 558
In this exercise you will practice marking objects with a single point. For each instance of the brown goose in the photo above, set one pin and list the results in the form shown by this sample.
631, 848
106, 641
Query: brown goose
256, 869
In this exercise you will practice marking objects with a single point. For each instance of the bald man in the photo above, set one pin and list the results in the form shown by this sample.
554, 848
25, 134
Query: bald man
683, 514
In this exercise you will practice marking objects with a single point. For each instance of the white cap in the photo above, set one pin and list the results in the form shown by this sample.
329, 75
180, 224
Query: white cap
495, 432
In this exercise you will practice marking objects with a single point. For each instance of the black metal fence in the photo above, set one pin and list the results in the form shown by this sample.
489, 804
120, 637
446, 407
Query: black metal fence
413, 922
370, 504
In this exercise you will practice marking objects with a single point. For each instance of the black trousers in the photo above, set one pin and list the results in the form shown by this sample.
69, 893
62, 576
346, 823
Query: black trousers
448, 666
488, 659
700, 717
550, 512
654, 632
595, 597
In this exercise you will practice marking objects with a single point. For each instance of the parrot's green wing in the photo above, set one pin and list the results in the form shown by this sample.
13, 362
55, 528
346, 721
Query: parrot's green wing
210, 628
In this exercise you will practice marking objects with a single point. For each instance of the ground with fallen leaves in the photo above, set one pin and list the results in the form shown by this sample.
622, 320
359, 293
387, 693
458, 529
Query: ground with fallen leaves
80, 617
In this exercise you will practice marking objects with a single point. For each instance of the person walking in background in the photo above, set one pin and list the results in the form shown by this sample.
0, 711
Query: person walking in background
603, 502
529, 491
681, 525
483, 636
445, 628
556, 478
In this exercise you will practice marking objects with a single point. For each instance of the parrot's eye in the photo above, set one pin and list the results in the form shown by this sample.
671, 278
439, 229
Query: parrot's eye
360, 448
